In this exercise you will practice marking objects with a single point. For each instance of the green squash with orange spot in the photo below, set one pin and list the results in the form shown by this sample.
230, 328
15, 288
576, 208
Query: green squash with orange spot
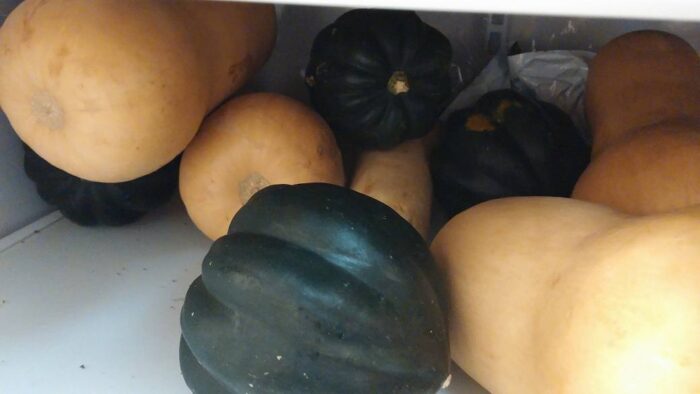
507, 145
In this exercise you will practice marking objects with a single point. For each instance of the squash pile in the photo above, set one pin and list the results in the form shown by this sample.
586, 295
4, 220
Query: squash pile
351, 273
556, 295
320, 278
381, 79
105, 112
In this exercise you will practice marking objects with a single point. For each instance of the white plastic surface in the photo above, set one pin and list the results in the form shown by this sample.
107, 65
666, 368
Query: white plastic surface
97, 310
630, 9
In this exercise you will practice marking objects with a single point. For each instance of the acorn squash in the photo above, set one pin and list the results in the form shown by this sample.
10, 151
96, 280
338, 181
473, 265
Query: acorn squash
316, 289
507, 145
380, 77
93, 203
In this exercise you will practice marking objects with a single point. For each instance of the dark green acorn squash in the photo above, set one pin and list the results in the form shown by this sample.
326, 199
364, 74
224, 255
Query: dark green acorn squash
93, 203
507, 145
316, 289
379, 77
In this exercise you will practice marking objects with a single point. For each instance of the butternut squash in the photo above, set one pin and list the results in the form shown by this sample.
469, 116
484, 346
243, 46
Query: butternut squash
555, 295
643, 105
111, 90
251, 142
400, 178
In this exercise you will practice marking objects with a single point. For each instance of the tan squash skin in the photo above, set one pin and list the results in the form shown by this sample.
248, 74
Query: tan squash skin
643, 105
111, 90
253, 141
554, 295
654, 170
400, 178
640, 79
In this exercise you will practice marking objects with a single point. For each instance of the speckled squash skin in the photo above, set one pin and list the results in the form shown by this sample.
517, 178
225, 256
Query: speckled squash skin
643, 105
112, 90
553, 295
250, 142
316, 289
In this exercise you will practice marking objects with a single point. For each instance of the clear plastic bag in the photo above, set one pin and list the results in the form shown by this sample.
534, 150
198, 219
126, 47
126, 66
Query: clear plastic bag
556, 77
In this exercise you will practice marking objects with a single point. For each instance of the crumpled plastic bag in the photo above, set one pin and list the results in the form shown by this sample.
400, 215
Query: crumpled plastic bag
557, 77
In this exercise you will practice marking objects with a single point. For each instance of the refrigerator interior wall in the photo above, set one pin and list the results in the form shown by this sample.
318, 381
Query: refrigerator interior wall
676, 10
85, 310
283, 73
571, 33
19, 203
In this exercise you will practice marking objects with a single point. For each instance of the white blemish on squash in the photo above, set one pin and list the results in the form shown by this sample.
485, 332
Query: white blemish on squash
251, 185
47, 110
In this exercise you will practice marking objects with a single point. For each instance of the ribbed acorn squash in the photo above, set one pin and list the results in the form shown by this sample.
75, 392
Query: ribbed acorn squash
316, 289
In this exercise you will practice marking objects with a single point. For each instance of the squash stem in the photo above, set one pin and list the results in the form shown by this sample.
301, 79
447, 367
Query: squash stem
398, 83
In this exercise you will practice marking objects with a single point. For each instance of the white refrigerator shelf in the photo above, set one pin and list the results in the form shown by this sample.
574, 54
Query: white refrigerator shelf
96, 310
